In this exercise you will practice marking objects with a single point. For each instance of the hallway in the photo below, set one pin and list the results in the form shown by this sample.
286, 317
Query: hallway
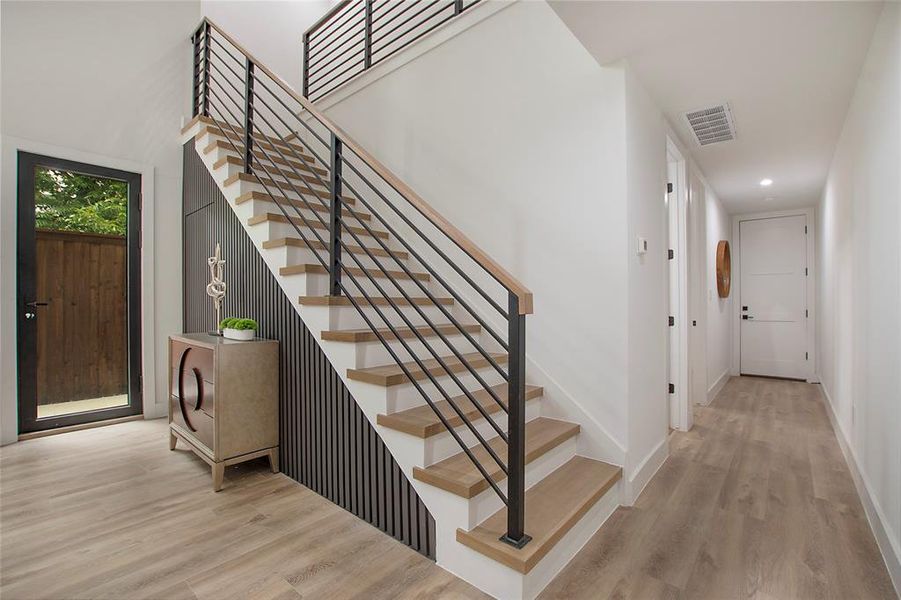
756, 501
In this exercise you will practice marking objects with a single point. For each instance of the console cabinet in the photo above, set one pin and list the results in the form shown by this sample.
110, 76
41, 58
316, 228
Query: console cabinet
223, 399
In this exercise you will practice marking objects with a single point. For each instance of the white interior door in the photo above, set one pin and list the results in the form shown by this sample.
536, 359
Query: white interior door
774, 297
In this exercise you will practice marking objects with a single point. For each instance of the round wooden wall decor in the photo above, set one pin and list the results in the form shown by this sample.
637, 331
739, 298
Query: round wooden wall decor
723, 269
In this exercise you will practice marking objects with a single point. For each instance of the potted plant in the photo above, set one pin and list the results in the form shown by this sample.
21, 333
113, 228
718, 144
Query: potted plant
239, 329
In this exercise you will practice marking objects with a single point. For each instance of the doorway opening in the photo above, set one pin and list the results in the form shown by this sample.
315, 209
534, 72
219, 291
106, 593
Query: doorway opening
78, 280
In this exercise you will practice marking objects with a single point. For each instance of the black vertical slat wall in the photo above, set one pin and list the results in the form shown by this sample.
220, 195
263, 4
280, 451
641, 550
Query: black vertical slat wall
327, 444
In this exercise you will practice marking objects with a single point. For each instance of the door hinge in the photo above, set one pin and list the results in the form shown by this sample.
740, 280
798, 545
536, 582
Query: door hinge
671, 389
805, 271
806, 314
670, 254
805, 356
672, 321
669, 188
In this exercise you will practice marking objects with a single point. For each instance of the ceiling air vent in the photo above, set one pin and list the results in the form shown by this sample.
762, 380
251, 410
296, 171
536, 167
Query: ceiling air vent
711, 125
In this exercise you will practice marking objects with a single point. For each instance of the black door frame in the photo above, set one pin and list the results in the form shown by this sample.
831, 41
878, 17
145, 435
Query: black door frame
26, 337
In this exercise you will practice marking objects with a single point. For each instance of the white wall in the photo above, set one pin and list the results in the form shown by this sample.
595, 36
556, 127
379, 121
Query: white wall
859, 292
719, 310
105, 83
648, 276
270, 30
516, 135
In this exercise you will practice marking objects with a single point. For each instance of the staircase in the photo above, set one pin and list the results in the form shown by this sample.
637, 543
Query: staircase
427, 332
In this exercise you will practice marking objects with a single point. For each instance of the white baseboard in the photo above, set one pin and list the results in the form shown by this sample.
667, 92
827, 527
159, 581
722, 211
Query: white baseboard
717, 386
888, 545
636, 482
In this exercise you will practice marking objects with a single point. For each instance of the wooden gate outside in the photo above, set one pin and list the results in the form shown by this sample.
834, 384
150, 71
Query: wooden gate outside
82, 338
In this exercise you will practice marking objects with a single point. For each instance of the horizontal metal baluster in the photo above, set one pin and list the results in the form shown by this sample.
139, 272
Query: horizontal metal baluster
293, 113
419, 35
331, 27
375, 30
240, 78
239, 61
352, 66
432, 326
403, 33
429, 401
323, 54
432, 245
422, 287
447, 287
419, 363
386, 12
294, 154
313, 72
224, 91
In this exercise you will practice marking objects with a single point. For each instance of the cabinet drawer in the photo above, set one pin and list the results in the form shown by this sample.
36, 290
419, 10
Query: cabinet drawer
196, 390
193, 357
198, 423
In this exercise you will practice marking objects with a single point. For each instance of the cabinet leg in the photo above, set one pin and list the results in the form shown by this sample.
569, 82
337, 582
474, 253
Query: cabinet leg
273, 459
218, 476
172, 441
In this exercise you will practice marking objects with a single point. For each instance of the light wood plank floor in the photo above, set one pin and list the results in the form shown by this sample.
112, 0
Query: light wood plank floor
112, 513
755, 502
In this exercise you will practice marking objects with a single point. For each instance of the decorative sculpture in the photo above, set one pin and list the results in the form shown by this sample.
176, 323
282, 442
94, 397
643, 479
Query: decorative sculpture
216, 288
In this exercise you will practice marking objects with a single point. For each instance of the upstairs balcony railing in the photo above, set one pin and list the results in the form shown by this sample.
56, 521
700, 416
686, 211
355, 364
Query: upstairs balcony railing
356, 35
335, 194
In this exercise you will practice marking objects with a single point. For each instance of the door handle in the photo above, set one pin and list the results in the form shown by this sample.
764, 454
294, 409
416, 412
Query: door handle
746, 317
36, 304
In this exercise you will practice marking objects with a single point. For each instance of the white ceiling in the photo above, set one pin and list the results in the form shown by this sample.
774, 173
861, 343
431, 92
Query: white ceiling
787, 69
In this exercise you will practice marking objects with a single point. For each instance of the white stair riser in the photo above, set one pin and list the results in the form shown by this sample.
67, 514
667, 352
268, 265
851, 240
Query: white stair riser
347, 317
278, 229
266, 155
298, 255
404, 396
262, 206
373, 354
441, 446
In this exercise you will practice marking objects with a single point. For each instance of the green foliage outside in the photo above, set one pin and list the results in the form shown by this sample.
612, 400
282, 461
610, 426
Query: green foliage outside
72, 202
240, 324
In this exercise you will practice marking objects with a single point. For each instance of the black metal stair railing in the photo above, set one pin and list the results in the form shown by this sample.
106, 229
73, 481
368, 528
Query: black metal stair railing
356, 35
309, 168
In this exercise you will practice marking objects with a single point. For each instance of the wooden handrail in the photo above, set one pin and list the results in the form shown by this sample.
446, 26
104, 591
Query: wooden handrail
500, 274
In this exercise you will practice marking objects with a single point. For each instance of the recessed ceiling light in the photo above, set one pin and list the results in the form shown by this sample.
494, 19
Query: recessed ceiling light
766, 182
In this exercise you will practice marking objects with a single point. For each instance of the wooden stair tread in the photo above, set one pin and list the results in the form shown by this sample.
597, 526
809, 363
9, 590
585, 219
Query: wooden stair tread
421, 421
236, 132
458, 475
355, 271
377, 301
312, 222
368, 335
389, 375
239, 147
282, 185
280, 200
272, 170
299, 243
553, 506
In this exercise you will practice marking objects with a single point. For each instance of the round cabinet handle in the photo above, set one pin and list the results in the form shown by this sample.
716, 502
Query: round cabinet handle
181, 388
